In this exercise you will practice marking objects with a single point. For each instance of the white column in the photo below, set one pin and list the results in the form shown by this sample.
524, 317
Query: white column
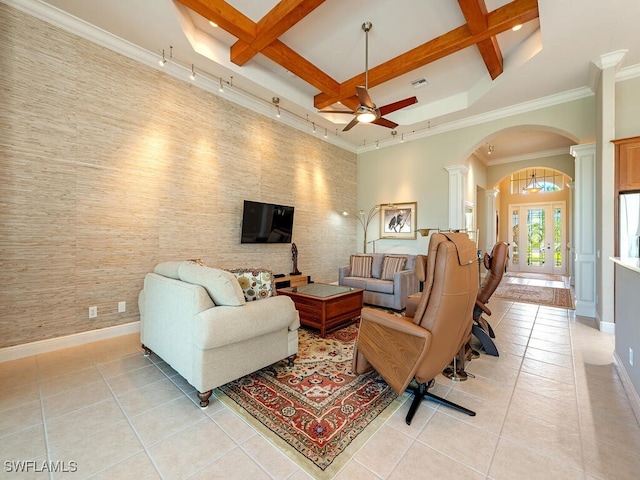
605, 170
457, 191
585, 228
491, 221
571, 247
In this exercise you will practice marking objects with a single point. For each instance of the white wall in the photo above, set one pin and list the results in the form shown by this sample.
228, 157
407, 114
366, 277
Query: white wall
414, 170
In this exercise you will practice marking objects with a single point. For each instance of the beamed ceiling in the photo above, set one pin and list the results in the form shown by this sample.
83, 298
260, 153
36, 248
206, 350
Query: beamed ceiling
460, 59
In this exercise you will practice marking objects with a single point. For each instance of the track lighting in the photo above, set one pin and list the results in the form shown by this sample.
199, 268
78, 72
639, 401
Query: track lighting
325, 133
377, 144
276, 102
193, 72
402, 138
314, 126
163, 60
221, 87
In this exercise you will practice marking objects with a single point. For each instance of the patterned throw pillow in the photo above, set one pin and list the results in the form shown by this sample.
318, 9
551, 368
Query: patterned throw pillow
255, 283
391, 265
361, 265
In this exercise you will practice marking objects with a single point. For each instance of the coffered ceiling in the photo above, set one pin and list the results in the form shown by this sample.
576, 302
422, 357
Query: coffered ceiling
460, 59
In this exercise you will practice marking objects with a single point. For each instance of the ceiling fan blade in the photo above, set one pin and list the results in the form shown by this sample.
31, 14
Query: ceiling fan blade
392, 107
350, 112
364, 97
383, 122
351, 124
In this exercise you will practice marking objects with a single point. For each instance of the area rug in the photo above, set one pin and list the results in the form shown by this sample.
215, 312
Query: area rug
550, 296
317, 412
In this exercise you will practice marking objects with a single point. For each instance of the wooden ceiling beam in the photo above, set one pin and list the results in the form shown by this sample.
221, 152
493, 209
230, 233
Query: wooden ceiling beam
498, 21
280, 19
298, 65
225, 16
475, 12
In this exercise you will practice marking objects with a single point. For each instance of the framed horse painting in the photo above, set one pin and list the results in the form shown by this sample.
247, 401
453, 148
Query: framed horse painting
398, 220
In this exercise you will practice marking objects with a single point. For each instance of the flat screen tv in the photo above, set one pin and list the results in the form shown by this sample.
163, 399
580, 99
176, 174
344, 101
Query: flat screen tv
266, 223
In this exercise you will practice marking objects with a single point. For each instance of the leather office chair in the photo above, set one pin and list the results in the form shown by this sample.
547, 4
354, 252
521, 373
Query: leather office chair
496, 265
404, 349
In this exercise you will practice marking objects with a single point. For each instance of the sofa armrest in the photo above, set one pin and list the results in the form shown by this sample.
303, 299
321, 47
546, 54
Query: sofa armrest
344, 271
224, 325
405, 283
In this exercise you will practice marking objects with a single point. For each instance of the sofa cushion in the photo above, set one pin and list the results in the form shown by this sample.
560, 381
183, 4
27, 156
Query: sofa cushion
255, 283
222, 286
168, 269
376, 270
361, 265
391, 265
355, 282
378, 285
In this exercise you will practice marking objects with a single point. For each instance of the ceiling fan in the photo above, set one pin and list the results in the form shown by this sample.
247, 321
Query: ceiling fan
367, 112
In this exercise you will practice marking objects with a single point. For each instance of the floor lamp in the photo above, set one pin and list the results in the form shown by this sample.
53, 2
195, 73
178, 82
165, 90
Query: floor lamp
364, 220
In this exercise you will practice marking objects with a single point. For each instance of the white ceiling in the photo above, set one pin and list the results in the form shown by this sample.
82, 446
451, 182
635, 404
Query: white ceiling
549, 56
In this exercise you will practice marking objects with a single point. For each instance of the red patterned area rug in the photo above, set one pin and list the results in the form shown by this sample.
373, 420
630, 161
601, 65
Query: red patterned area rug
550, 296
317, 412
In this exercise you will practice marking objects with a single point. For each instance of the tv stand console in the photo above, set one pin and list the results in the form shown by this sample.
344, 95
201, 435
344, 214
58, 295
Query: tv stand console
292, 281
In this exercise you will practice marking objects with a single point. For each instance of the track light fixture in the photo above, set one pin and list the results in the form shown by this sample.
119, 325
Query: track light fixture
163, 60
276, 102
221, 87
325, 133
193, 72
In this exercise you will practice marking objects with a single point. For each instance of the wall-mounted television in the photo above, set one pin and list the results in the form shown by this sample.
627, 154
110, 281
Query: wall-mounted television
266, 223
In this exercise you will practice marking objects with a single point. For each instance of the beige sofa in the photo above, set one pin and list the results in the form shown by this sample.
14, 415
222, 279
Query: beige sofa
197, 319
383, 287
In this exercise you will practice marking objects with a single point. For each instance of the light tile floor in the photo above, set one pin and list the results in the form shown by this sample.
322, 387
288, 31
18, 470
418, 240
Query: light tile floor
550, 407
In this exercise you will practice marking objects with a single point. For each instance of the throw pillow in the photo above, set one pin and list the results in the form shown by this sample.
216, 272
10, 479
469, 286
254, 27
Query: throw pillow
255, 283
168, 269
222, 286
391, 265
361, 265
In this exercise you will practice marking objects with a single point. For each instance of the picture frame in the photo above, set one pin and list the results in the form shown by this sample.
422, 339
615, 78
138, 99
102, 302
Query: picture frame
398, 220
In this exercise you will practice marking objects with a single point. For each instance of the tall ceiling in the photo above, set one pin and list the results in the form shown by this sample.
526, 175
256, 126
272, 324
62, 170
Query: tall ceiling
310, 54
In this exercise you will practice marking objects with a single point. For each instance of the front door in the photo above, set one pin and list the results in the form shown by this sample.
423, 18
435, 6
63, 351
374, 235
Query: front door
538, 238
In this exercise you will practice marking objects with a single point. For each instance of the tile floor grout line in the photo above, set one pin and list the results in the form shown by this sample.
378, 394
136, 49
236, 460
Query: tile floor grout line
499, 434
44, 428
133, 428
577, 402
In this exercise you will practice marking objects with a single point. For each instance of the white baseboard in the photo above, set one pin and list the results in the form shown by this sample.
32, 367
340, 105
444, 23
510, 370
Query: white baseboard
632, 394
52, 344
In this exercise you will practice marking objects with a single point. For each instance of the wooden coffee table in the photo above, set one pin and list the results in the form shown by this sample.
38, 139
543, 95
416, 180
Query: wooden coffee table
325, 307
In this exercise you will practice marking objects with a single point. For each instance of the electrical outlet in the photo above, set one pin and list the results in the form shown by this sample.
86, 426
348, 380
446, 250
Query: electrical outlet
122, 307
93, 312
631, 356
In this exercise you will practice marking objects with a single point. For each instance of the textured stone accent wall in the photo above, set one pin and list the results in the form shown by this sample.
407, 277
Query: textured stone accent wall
109, 167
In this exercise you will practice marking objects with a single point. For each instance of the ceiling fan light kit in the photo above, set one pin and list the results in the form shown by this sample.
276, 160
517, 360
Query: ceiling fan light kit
367, 111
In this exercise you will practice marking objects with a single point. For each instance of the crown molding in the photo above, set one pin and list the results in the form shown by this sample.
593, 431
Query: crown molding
509, 111
531, 156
